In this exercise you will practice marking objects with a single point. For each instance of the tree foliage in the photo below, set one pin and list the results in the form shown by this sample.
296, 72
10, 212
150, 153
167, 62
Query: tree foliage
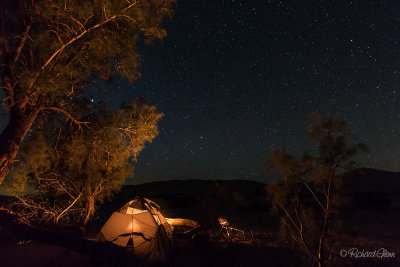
307, 200
72, 171
50, 50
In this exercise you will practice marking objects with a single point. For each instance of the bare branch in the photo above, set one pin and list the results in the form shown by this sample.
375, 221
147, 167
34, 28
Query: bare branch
70, 206
87, 19
313, 194
22, 43
34, 206
78, 22
58, 36
56, 181
297, 213
289, 217
69, 28
65, 113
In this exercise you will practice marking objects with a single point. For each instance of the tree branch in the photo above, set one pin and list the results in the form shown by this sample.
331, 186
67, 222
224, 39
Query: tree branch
57, 182
313, 194
289, 217
22, 43
76, 38
78, 22
70, 206
79, 36
34, 206
69, 116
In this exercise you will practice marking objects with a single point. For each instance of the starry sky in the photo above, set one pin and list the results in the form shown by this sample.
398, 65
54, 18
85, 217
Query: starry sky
236, 79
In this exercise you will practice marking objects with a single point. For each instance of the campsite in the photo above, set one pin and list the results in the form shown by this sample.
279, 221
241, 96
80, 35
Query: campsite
370, 224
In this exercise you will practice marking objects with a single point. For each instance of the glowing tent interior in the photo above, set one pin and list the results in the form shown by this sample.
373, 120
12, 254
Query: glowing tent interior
139, 225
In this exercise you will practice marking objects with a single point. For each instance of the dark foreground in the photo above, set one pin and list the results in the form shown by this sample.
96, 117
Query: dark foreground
372, 223
21, 245
24, 246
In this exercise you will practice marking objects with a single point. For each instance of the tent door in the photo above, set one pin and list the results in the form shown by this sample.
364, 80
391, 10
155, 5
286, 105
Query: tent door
130, 247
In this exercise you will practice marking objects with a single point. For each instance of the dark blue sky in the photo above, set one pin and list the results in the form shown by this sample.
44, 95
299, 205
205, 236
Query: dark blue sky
236, 79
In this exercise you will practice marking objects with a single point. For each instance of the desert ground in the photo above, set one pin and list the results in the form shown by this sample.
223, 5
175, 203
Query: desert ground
371, 222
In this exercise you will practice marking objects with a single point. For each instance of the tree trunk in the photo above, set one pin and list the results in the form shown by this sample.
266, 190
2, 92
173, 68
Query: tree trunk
21, 120
90, 209
321, 249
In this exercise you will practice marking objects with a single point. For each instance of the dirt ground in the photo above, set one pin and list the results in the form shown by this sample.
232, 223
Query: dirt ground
51, 249
367, 228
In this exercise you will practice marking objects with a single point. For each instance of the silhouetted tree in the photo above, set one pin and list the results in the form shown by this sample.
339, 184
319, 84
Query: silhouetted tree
306, 200
70, 172
50, 49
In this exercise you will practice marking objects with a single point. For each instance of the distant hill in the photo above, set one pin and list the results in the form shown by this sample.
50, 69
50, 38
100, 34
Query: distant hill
371, 180
201, 200
191, 187
364, 188
356, 181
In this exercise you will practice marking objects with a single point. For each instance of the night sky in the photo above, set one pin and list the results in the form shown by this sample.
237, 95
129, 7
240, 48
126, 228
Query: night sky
237, 79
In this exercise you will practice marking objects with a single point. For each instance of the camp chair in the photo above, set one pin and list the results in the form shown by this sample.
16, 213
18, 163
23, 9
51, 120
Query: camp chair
228, 231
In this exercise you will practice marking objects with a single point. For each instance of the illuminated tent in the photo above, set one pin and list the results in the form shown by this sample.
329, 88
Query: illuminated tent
140, 226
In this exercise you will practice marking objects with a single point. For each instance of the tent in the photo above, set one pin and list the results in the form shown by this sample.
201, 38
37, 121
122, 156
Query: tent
139, 226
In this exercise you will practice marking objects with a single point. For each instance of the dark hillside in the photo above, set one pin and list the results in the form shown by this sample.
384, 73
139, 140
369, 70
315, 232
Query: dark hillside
371, 180
202, 200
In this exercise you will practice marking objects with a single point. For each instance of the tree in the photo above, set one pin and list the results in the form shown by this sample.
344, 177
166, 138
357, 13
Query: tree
76, 169
307, 200
51, 49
